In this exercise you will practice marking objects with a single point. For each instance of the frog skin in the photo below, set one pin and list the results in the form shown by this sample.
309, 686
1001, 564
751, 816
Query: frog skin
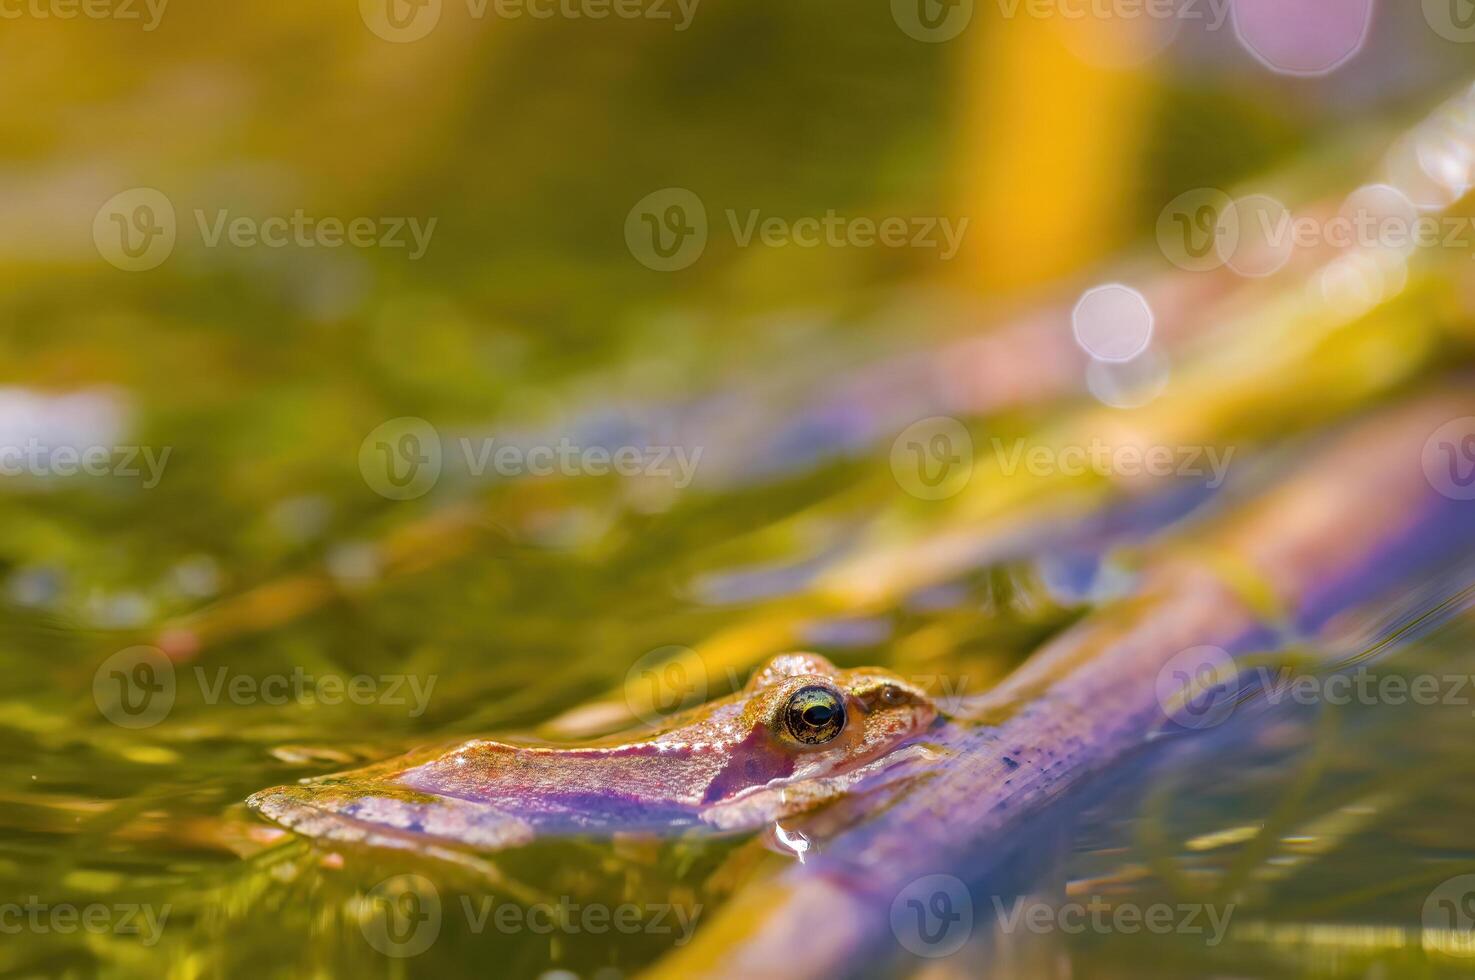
800, 733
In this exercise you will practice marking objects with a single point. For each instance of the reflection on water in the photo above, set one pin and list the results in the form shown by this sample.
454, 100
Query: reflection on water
1320, 831
396, 512
1310, 846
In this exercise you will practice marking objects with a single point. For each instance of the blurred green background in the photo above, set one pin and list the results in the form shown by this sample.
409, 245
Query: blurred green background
264, 549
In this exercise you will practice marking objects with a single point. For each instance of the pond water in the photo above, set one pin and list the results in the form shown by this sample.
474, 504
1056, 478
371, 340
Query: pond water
540, 470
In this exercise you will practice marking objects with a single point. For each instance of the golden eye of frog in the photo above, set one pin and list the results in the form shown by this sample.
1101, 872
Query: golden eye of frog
801, 732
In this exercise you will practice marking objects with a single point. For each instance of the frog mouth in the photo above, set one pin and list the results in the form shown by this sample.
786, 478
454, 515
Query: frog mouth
887, 772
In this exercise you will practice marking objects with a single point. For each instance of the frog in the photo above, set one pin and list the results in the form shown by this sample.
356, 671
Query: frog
800, 733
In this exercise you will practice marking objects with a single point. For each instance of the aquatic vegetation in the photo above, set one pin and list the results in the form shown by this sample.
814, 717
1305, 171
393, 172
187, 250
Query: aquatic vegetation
426, 595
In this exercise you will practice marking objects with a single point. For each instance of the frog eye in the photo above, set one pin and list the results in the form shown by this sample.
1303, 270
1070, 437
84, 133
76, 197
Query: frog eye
892, 695
814, 715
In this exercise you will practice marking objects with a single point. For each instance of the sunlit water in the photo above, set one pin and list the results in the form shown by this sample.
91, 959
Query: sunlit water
1295, 839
